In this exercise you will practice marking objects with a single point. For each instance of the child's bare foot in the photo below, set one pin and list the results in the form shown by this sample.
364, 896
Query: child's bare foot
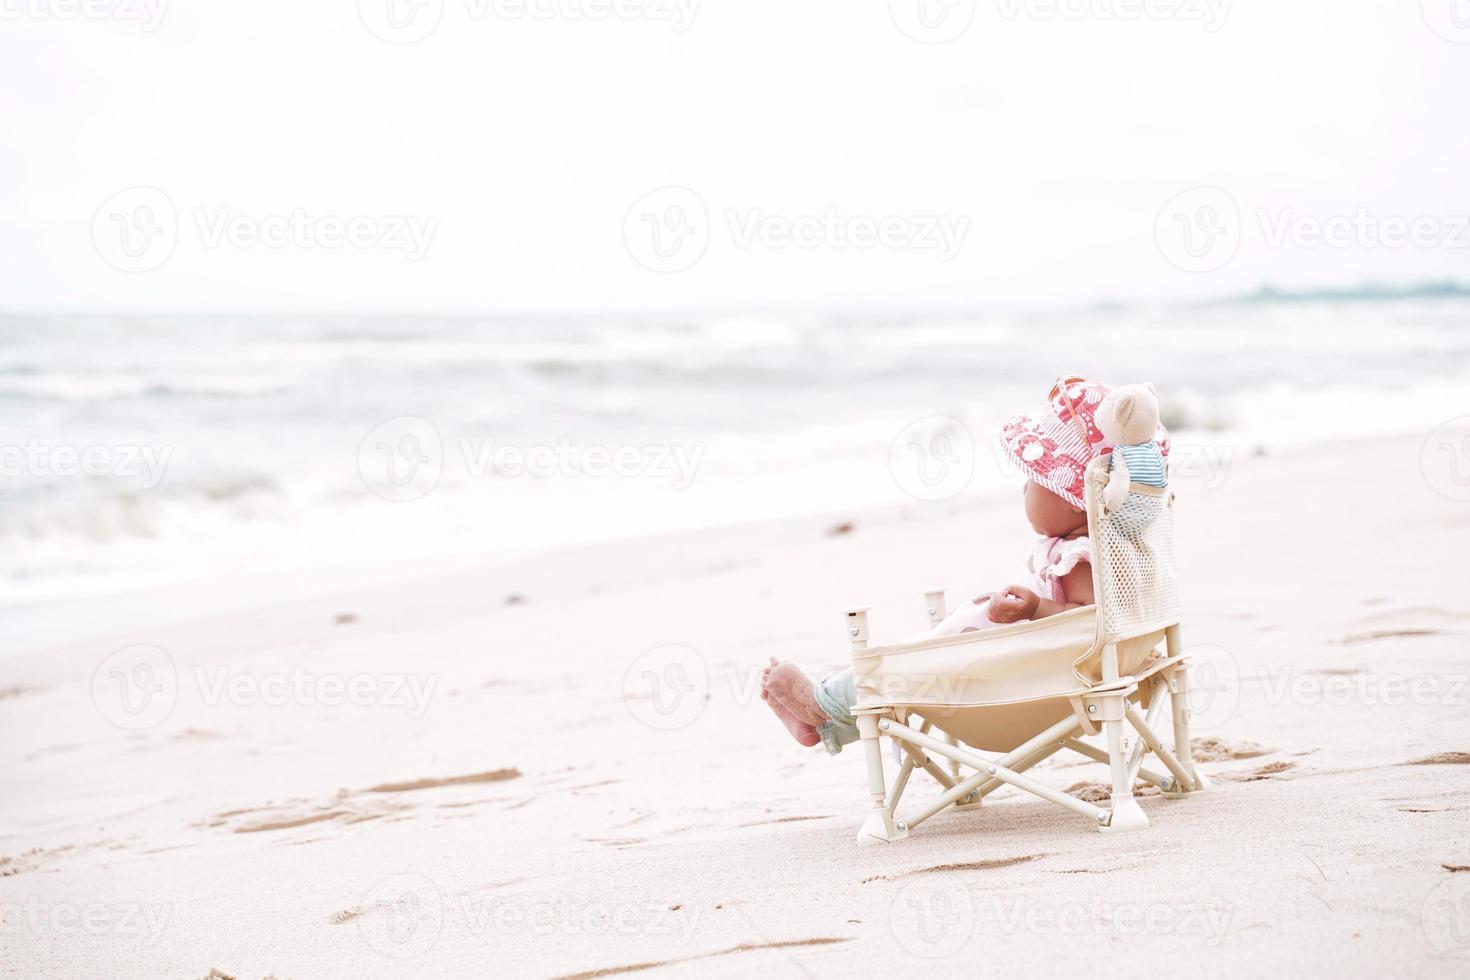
800, 730
785, 684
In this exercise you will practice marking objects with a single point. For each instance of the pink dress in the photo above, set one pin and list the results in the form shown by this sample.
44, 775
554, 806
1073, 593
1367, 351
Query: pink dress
1050, 559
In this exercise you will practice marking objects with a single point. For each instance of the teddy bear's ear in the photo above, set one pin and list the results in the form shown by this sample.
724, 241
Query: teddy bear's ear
1151, 389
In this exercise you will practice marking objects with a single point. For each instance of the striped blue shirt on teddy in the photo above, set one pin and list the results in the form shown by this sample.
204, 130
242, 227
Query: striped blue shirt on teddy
1145, 463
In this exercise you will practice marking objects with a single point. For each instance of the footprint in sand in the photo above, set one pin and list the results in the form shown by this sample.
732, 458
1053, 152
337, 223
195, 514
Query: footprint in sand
492, 776
38, 858
1267, 771
608, 971
1372, 636
1442, 759
1215, 750
1091, 792
988, 864
196, 735
765, 823
348, 807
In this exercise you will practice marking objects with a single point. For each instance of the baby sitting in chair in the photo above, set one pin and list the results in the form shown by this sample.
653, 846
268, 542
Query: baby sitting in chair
1053, 451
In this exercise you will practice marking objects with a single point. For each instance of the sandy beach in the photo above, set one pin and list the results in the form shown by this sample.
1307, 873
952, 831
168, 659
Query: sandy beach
424, 425
458, 774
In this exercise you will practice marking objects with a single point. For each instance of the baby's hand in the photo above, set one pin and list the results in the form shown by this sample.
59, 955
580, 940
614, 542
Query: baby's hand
1015, 604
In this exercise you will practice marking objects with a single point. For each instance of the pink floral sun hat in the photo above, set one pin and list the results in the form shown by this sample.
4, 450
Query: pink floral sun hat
1055, 448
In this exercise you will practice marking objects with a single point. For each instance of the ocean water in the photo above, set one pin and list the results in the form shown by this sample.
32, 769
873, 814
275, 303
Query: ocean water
141, 451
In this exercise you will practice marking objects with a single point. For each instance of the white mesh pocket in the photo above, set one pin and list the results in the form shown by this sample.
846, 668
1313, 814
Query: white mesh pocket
1134, 552
1136, 516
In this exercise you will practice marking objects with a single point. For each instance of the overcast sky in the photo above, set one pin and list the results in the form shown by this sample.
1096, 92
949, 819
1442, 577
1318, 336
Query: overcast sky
825, 154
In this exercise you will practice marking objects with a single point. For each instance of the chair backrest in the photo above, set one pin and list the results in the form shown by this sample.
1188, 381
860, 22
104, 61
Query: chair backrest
1133, 572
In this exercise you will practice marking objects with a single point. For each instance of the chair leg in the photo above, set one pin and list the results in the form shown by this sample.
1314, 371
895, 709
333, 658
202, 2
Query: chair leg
880, 824
1179, 704
1126, 813
954, 767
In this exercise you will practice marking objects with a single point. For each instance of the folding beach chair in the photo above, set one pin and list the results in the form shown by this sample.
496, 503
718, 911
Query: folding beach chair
1031, 689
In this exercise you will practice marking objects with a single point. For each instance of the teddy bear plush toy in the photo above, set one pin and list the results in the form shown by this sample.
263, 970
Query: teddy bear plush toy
1129, 416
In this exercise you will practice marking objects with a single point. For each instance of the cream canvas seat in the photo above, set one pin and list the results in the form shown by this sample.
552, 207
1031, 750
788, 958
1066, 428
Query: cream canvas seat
1026, 691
